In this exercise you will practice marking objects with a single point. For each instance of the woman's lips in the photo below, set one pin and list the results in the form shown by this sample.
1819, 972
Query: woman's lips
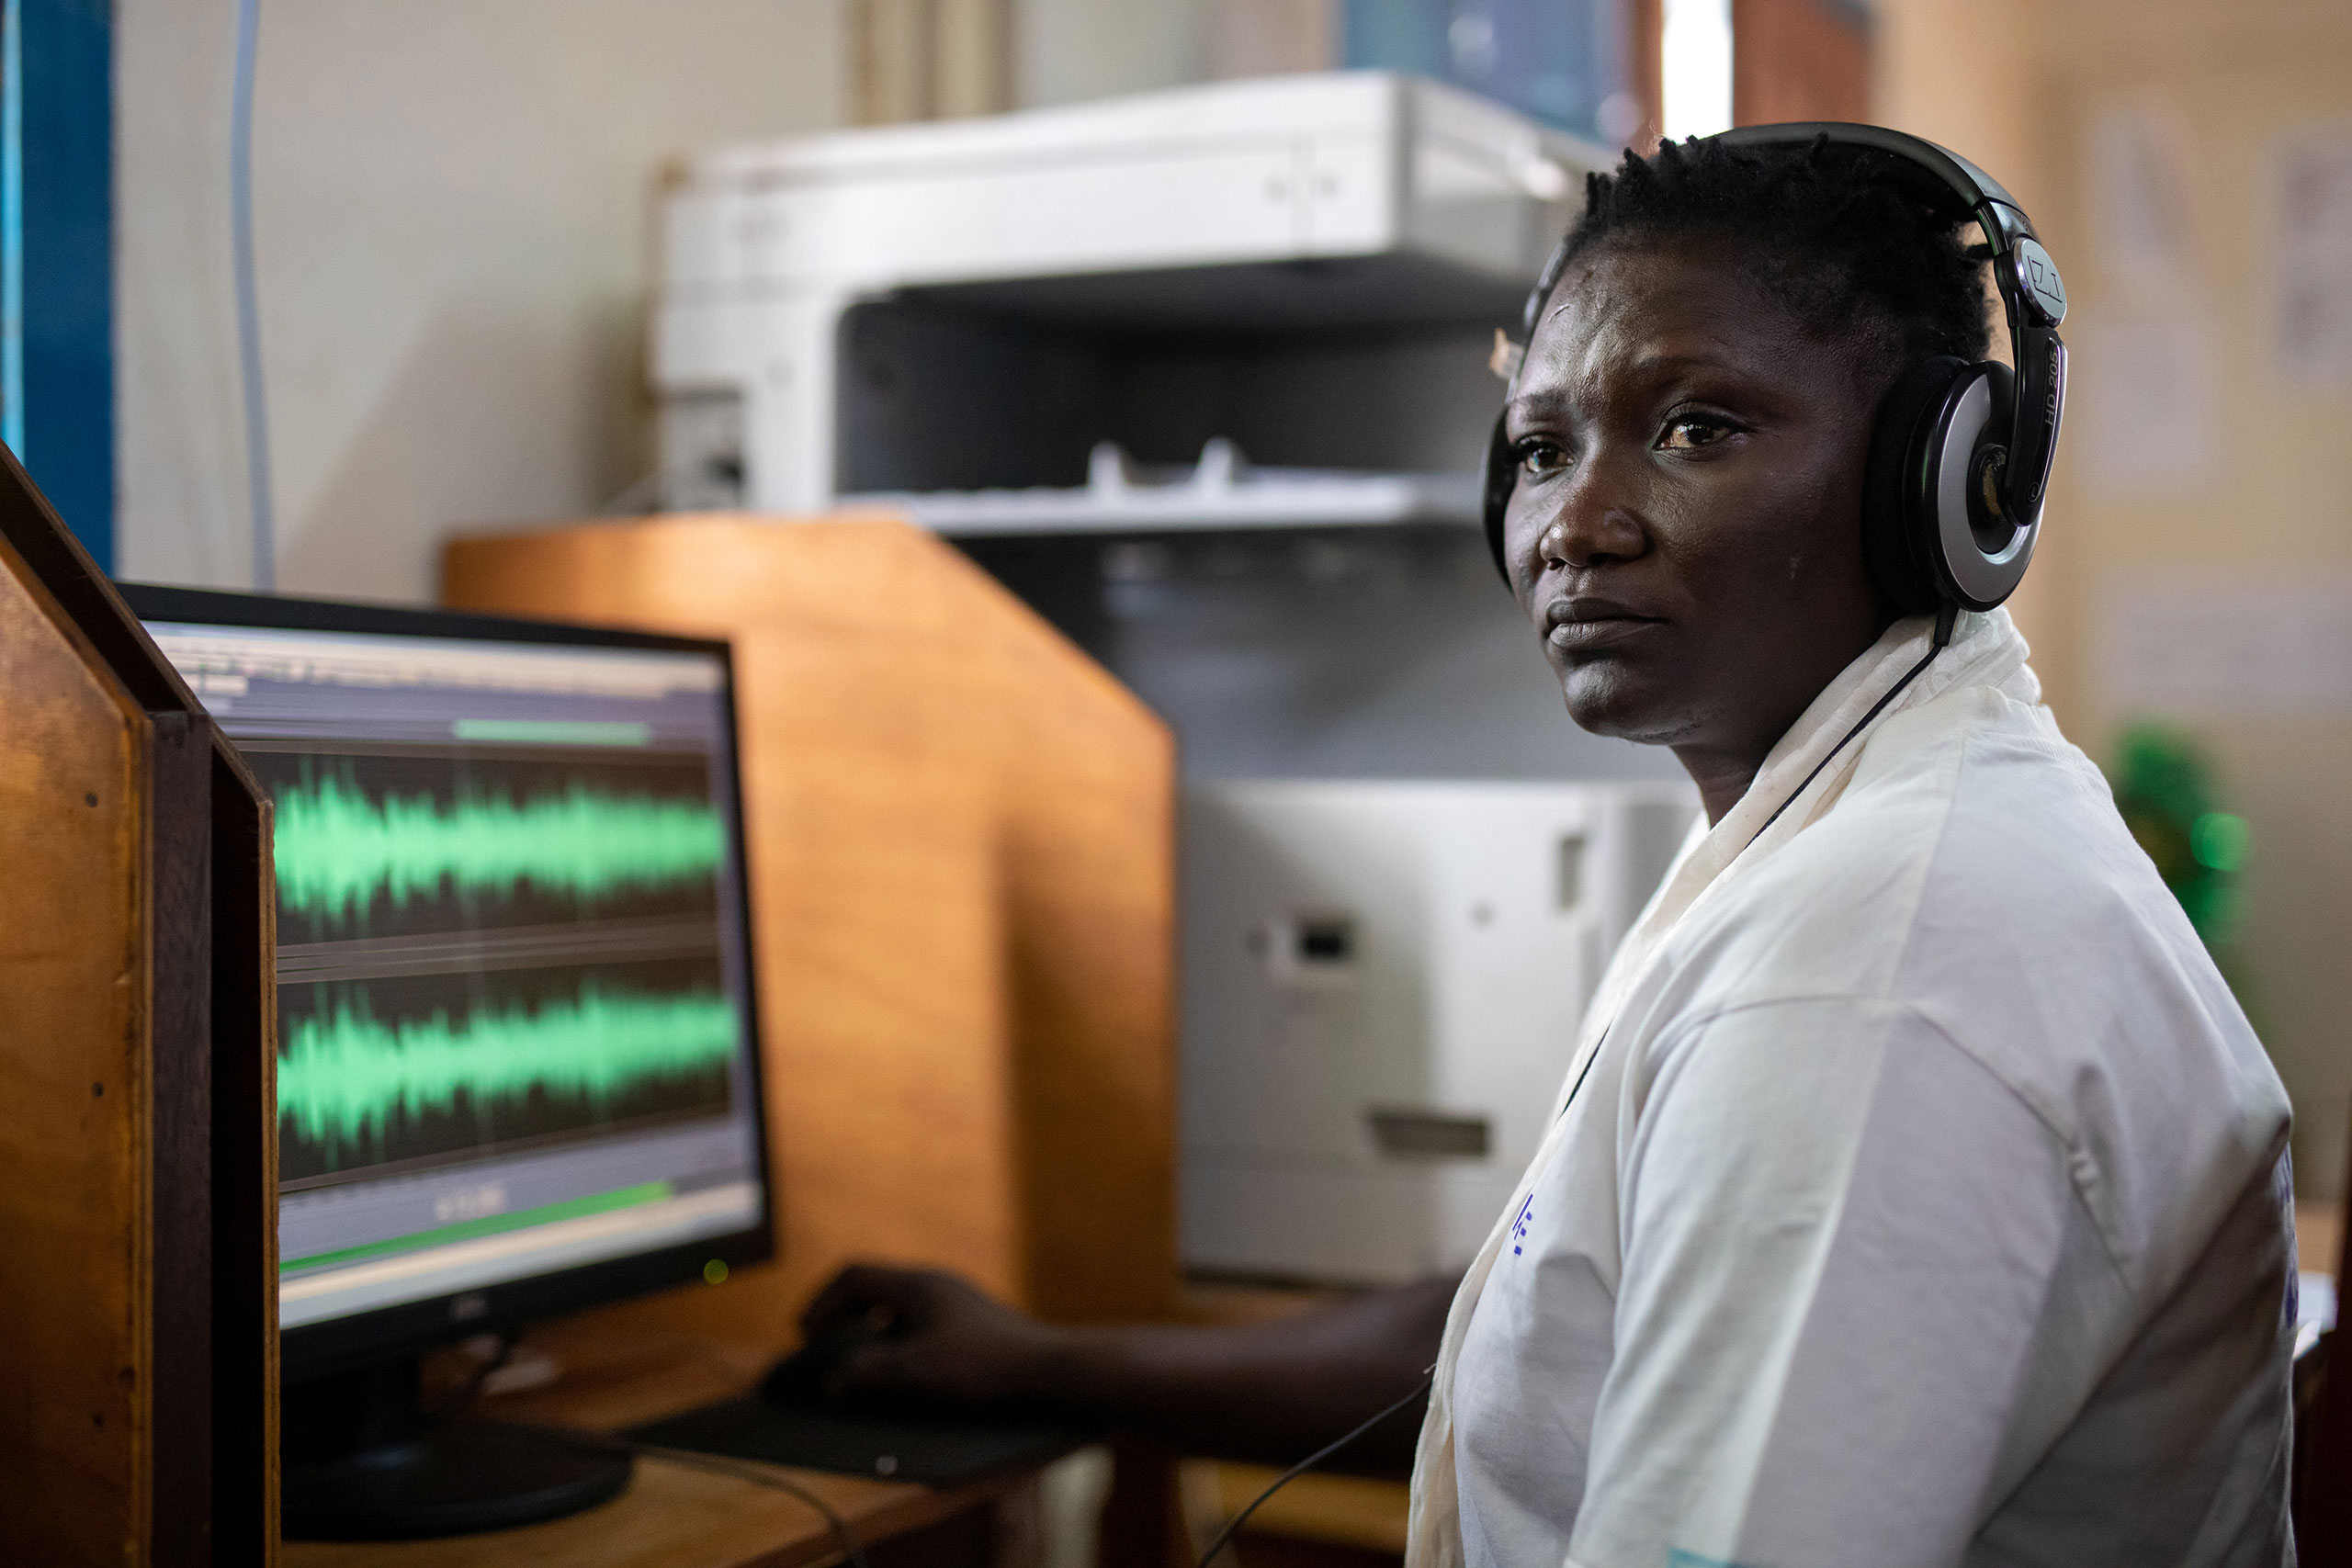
1578, 625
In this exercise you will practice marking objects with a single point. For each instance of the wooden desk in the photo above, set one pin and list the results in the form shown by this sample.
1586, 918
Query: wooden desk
677, 1515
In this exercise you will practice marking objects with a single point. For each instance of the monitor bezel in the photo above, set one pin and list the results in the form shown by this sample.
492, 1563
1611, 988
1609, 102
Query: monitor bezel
341, 1344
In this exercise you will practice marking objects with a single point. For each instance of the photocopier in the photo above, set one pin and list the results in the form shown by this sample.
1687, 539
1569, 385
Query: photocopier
1052, 301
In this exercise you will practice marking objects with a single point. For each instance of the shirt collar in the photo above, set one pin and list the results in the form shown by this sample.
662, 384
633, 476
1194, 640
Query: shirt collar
1986, 651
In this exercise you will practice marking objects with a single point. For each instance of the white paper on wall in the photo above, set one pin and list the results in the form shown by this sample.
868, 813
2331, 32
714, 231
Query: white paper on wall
2137, 155
2240, 645
2143, 407
2311, 258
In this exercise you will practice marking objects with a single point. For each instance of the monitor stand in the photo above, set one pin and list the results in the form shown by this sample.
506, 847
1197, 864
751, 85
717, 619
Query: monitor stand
363, 1461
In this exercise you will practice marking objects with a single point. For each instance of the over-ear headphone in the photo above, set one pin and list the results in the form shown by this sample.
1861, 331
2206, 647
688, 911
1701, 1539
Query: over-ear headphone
1959, 453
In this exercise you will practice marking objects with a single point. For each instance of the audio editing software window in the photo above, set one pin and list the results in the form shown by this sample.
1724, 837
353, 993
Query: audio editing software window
512, 1027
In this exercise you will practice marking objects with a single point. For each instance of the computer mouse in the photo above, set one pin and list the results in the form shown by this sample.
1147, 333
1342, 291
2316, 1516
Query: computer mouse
806, 1376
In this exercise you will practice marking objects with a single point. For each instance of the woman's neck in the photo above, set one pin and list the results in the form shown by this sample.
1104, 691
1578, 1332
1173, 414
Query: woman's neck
1723, 777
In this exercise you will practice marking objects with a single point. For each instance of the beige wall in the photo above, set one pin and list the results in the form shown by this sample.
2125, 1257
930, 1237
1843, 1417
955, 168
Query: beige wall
1068, 50
2252, 514
451, 217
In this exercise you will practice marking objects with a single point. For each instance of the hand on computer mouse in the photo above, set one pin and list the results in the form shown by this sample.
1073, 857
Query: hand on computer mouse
924, 1333
814, 1371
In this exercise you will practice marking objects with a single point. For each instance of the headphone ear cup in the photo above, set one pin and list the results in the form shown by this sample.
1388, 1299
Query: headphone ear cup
1501, 476
1976, 552
1898, 532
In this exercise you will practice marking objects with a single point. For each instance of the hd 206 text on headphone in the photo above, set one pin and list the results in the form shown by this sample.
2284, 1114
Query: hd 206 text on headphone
1959, 453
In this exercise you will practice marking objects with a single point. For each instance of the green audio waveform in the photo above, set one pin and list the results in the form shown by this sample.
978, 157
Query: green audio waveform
345, 1075
337, 851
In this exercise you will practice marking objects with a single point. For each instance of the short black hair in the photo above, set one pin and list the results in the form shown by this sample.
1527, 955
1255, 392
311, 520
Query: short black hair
1855, 242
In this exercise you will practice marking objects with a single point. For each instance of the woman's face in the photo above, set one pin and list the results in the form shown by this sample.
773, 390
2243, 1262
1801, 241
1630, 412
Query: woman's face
1686, 527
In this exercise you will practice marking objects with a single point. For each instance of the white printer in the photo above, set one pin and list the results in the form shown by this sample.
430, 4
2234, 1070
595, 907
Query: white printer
1383, 983
1024, 321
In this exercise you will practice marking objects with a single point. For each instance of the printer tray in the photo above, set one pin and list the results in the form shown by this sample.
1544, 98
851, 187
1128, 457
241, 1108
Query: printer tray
899, 1442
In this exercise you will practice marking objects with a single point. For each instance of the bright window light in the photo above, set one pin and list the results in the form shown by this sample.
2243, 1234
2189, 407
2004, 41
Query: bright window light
1694, 74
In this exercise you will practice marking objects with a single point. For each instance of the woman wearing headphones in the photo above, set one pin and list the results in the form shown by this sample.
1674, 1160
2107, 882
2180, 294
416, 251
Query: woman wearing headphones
1919, 1194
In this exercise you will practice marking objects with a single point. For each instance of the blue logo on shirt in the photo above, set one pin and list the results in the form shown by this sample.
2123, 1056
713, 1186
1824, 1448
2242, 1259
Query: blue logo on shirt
1519, 1224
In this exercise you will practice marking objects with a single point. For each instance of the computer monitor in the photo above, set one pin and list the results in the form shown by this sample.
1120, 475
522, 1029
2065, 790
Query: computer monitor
517, 1064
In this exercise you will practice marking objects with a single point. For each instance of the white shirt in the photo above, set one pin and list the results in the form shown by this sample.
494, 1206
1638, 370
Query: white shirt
1924, 1198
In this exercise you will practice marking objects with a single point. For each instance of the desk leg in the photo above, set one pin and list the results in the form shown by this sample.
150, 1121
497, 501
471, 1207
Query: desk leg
1143, 1519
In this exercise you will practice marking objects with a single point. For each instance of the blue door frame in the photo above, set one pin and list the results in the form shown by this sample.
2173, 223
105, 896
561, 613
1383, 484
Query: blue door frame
57, 257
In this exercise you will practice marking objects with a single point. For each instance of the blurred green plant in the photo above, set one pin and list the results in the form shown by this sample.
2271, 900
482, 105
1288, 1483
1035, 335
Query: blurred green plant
2164, 789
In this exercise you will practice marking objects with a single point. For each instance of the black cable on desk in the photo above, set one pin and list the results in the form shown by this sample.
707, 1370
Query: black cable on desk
463, 1397
852, 1549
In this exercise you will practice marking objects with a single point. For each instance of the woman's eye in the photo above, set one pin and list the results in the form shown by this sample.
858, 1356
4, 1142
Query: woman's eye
1540, 459
1690, 432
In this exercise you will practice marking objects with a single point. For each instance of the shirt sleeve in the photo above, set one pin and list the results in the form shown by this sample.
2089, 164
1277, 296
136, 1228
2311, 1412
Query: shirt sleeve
1842, 1237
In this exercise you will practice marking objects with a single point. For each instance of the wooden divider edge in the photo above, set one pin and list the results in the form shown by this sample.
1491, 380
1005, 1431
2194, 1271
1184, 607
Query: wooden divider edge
75, 1376
244, 1165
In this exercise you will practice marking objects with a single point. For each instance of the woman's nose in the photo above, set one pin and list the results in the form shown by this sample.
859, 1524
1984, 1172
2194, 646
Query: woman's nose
1596, 523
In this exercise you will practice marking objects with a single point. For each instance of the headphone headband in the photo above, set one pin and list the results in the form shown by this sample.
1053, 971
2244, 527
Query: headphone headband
2007, 228
1975, 187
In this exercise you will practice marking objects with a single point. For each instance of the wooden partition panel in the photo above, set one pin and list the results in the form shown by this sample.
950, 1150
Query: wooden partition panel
962, 878
75, 1371
137, 1200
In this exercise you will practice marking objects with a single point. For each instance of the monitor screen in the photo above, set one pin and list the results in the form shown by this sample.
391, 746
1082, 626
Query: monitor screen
517, 1060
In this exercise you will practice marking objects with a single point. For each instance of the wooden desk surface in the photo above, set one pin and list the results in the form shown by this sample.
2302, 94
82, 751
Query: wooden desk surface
673, 1515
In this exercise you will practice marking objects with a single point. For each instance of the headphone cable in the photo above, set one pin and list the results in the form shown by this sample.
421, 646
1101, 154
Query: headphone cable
1429, 1380
1946, 617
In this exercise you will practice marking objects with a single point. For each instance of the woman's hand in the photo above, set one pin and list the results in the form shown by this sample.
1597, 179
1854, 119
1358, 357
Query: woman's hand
928, 1333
